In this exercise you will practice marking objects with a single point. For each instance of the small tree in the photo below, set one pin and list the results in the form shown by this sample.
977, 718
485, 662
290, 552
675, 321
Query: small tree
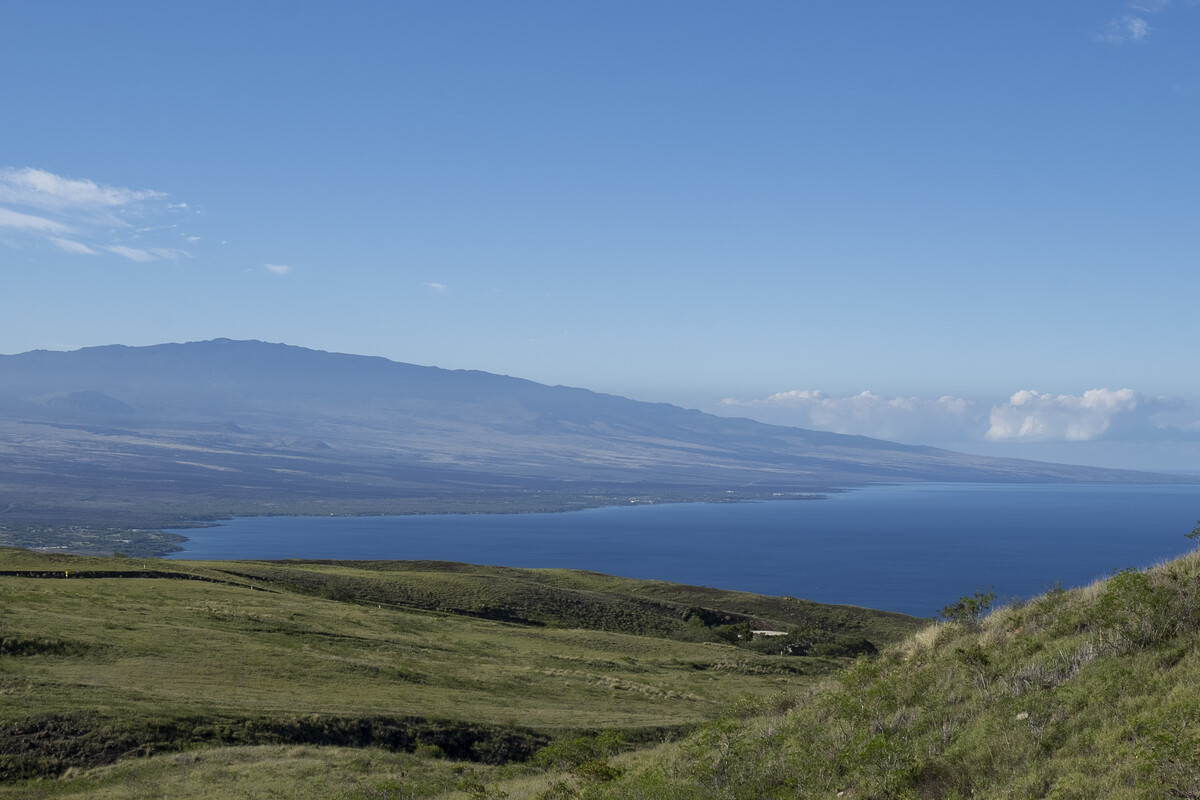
969, 608
1195, 534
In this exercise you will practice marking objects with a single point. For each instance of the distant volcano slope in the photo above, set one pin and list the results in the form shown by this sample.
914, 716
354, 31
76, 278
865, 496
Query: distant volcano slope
177, 430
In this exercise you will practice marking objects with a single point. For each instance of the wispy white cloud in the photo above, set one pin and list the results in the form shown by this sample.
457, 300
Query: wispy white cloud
277, 269
37, 188
909, 419
143, 253
440, 288
132, 253
40, 208
72, 246
1148, 6
1126, 28
28, 222
1133, 26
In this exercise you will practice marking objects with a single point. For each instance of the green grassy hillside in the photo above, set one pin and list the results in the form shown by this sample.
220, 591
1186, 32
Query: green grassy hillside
1093, 693
364, 680
375, 664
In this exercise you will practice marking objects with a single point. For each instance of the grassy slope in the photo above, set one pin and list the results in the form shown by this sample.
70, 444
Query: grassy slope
129, 657
1083, 694
1080, 694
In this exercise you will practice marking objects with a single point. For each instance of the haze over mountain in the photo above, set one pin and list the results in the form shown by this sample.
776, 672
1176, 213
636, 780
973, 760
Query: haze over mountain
223, 421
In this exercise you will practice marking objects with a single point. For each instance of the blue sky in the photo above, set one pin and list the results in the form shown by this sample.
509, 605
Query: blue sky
964, 224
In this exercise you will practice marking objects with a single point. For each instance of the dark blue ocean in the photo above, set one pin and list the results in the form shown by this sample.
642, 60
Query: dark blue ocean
911, 548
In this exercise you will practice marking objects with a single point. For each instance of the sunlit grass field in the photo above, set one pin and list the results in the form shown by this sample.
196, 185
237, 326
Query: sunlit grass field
257, 682
207, 668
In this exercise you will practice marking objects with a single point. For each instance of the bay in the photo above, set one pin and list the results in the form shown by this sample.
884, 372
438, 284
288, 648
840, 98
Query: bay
911, 548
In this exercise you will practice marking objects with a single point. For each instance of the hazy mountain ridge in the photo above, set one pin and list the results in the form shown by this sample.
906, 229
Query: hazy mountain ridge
229, 419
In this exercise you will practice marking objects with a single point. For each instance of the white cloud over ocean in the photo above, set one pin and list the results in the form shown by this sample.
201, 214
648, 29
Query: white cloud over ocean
908, 419
81, 217
1027, 416
1097, 413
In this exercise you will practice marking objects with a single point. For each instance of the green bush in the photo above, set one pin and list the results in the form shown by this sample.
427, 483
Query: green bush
1134, 611
967, 609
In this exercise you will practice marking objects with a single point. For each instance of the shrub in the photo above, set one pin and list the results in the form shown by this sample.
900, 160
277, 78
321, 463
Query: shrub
968, 609
1133, 610
579, 750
